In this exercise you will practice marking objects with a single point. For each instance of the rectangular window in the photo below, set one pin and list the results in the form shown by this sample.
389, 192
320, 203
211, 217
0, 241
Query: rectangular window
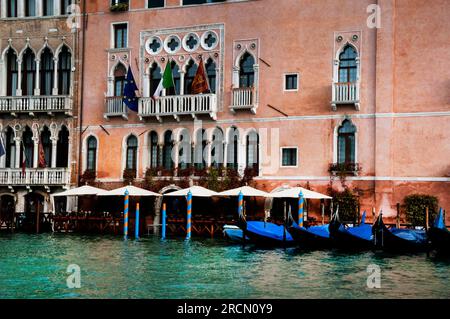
30, 8
12, 9
291, 82
188, 2
47, 9
155, 3
120, 35
289, 157
64, 6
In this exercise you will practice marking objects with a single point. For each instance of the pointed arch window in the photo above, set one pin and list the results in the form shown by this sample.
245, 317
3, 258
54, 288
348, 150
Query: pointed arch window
28, 72
11, 9
155, 78
167, 150
176, 79
28, 147
348, 65
233, 148
62, 155
119, 79
30, 8
252, 151
47, 8
246, 71
199, 149
154, 150
211, 74
91, 161
64, 70
10, 149
191, 70
346, 143
184, 151
12, 73
47, 68
131, 159
217, 148
46, 146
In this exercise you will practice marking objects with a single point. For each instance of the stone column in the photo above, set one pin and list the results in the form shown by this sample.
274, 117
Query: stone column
55, 77
225, 154
56, 7
53, 160
175, 154
19, 78
20, 8
3, 9
182, 75
35, 152
17, 140
37, 88
208, 153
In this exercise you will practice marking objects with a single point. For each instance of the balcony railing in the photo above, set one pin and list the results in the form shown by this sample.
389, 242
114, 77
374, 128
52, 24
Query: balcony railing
344, 168
114, 106
345, 93
243, 99
177, 105
34, 176
36, 104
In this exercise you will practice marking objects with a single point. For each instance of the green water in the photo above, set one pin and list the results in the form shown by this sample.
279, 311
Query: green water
34, 266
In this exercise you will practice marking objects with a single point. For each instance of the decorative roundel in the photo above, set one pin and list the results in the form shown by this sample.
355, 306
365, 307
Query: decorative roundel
209, 40
153, 45
191, 42
172, 44
355, 38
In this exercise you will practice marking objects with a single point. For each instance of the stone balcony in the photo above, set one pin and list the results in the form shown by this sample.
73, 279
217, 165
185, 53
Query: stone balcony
32, 105
243, 99
34, 177
347, 93
178, 105
114, 107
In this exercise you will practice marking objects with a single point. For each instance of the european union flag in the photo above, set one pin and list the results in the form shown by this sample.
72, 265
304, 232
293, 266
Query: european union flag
129, 92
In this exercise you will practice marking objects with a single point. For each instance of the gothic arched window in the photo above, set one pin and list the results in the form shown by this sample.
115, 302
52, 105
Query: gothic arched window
47, 66
62, 146
154, 153
346, 143
132, 146
191, 70
246, 71
155, 78
91, 160
28, 72
252, 151
119, 79
347, 65
64, 69
12, 73
167, 150
211, 74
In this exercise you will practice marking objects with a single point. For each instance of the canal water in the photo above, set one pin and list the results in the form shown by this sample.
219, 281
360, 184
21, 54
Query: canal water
35, 266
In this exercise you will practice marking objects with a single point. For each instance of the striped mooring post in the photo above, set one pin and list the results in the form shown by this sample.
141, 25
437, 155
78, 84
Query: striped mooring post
125, 215
136, 225
300, 209
189, 216
241, 205
163, 224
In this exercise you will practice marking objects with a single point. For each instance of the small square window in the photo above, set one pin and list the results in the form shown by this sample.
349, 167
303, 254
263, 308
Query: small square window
155, 4
289, 157
120, 35
291, 82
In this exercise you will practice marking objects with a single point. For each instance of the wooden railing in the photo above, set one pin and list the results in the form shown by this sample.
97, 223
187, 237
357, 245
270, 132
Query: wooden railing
114, 106
34, 176
31, 104
345, 93
243, 98
176, 105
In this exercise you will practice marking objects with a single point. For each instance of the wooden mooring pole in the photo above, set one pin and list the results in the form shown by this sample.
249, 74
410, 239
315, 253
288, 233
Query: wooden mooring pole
427, 217
397, 221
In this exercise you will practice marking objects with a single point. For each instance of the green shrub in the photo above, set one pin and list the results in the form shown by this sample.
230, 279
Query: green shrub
348, 204
415, 206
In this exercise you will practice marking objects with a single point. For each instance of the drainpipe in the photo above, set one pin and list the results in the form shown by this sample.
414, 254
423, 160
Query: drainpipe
80, 111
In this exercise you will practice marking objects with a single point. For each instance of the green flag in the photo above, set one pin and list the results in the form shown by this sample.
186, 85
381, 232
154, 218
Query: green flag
166, 81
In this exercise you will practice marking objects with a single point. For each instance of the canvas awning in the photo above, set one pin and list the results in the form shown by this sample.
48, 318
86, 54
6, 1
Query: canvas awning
293, 193
245, 190
81, 191
132, 191
196, 191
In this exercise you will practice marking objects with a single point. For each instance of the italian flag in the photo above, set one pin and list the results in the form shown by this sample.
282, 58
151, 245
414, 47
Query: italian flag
166, 81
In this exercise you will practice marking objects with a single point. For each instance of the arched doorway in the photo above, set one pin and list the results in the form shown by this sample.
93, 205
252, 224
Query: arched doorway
34, 211
7, 210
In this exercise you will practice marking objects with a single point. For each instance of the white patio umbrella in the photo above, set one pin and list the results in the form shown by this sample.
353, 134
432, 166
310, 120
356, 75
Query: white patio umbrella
132, 191
295, 191
196, 191
81, 191
245, 190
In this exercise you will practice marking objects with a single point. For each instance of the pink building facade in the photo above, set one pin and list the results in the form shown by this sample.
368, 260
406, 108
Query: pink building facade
297, 88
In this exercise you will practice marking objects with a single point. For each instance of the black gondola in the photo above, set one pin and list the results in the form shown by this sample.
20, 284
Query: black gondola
439, 234
358, 237
310, 237
266, 234
396, 239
